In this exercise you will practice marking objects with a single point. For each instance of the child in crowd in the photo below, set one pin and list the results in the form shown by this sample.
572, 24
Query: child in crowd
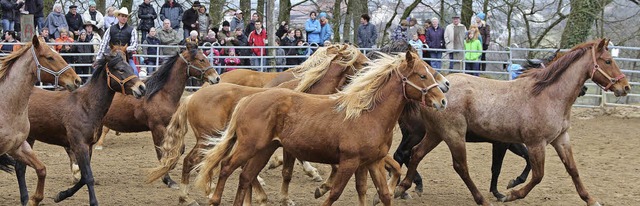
231, 61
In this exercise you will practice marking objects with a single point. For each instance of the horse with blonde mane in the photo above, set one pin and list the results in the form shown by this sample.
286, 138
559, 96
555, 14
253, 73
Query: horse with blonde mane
534, 109
305, 125
35, 61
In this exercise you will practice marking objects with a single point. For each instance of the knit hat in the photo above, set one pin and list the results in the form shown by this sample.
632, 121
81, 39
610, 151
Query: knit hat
92, 3
322, 14
225, 23
480, 15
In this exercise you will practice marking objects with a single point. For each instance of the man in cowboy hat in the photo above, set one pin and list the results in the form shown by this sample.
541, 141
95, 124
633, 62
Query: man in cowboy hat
120, 34
190, 19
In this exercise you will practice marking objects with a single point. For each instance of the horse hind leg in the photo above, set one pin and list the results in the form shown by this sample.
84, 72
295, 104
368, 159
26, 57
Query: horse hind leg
328, 183
157, 132
287, 172
250, 172
376, 170
310, 171
498, 152
84, 160
192, 158
100, 144
520, 150
25, 155
536, 156
345, 170
361, 185
562, 146
459, 155
417, 154
73, 165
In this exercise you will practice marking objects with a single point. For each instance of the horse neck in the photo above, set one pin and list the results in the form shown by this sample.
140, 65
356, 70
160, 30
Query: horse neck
330, 82
392, 104
16, 87
567, 88
177, 82
96, 96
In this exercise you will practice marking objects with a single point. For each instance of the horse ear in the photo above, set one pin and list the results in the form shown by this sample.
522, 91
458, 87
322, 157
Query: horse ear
602, 45
409, 57
191, 46
35, 41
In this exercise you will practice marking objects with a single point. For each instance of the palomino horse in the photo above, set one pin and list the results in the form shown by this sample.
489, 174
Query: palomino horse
165, 87
357, 123
81, 113
534, 109
18, 73
207, 121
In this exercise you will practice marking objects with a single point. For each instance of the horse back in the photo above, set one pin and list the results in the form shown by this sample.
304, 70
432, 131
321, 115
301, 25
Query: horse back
247, 77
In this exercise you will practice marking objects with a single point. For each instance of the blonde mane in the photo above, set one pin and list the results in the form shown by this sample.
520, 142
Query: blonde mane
318, 58
346, 56
7, 61
364, 91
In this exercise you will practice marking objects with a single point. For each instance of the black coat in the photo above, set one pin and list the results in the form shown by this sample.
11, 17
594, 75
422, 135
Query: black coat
34, 7
74, 21
190, 17
10, 9
147, 16
83, 49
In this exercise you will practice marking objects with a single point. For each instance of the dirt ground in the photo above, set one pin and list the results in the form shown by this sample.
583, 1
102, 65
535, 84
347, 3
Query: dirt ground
604, 142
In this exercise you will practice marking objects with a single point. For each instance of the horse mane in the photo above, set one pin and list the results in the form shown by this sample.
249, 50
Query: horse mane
100, 69
551, 74
7, 61
159, 78
318, 59
314, 74
364, 90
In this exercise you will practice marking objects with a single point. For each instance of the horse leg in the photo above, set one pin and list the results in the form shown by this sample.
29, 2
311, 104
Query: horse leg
275, 162
81, 152
73, 164
417, 153
193, 157
25, 155
100, 143
345, 170
251, 170
158, 137
261, 195
520, 150
563, 147
395, 171
229, 164
310, 171
361, 185
327, 184
379, 180
459, 154
498, 152
287, 171
536, 156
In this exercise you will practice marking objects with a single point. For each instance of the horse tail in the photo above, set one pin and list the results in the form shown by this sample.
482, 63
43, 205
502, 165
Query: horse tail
173, 141
6, 163
210, 164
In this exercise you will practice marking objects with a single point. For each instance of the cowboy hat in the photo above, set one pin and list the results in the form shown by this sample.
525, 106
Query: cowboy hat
123, 11
89, 22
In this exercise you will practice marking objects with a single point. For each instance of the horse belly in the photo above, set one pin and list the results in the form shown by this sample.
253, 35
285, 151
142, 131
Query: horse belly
312, 151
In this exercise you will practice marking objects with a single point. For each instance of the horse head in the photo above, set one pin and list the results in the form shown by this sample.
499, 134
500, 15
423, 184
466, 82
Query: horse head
418, 83
50, 62
120, 75
605, 71
198, 65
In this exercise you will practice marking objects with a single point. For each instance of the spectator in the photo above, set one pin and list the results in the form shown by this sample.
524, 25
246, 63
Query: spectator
280, 59
290, 40
81, 59
454, 36
282, 29
435, 40
9, 37
325, 32
313, 29
303, 51
95, 16
55, 21
173, 11
400, 33
210, 38
190, 19
120, 34
232, 60
74, 20
413, 28
423, 39
35, 8
237, 21
472, 43
416, 44
10, 14
252, 24
422, 34
299, 36
168, 36
151, 39
45, 34
225, 36
65, 48
110, 19
92, 35
258, 38
204, 22
241, 40
485, 34
192, 38
367, 33
147, 15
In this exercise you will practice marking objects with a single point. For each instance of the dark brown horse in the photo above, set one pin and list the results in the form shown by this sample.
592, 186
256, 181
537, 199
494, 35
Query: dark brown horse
77, 115
353, 128
534, 109
35, 61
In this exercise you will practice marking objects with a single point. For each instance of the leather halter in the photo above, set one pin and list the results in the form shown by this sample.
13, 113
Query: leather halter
115, 78
424, 91
596, 67
201, 70
56, 74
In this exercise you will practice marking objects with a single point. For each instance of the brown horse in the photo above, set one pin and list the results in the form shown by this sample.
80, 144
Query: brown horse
80, 113
165, 87
250, 78
534, 109
15, 88
326, 129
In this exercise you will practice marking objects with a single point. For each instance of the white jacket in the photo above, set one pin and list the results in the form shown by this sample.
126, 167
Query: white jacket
451, 36
100, 19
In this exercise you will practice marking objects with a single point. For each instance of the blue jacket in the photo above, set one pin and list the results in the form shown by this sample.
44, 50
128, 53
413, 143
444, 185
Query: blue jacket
435, 38
325, 33
313, 31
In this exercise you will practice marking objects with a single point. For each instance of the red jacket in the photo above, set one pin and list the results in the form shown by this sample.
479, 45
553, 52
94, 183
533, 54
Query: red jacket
256, 39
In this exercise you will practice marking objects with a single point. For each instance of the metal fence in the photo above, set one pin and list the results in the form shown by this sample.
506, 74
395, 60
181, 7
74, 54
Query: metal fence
627, 58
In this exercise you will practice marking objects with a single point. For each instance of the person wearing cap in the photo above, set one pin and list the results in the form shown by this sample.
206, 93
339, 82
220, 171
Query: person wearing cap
147, 15
454, 36
10, 13
92, 35
173, 11
485, 34
225, 36
190, 19
74, 20
325, 29
55, 21
168, 36
237, 21
312, 26
120, 34
94, 16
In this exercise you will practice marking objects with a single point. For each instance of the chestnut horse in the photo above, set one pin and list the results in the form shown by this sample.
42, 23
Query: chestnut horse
18, 73
165, 88
357, 123
534, 109
81, 113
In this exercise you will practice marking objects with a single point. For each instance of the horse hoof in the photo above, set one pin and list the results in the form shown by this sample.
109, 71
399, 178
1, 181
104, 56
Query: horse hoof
419, 190
376, 200
58, 198
317, 178
399, 192
174, 186
406, 196
503, 199
499, 196
513, 183
317, 194
99, 147
193, 203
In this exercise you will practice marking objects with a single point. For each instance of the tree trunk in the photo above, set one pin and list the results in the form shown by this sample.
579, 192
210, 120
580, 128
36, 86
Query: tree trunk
443, 13
47, 7
580, 21
467, 12
126, 3
260, 9
100, 6
271, 29
485, 8
388, 24
348, 17
215, 12
336, 21
245, 6
285, 11
409, 9
361, 7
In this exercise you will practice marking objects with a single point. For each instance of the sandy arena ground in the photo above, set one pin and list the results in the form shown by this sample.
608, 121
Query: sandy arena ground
604, 143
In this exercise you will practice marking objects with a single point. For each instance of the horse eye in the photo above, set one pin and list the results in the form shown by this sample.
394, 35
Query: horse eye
423, 76
50, 58
607, 62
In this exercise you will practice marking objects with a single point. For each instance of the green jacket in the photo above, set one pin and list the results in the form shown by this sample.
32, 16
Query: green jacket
473, 45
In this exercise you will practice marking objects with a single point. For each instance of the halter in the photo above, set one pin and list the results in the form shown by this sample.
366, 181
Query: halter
424, 91
115, 78
596, 67
56, 74
201, 70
